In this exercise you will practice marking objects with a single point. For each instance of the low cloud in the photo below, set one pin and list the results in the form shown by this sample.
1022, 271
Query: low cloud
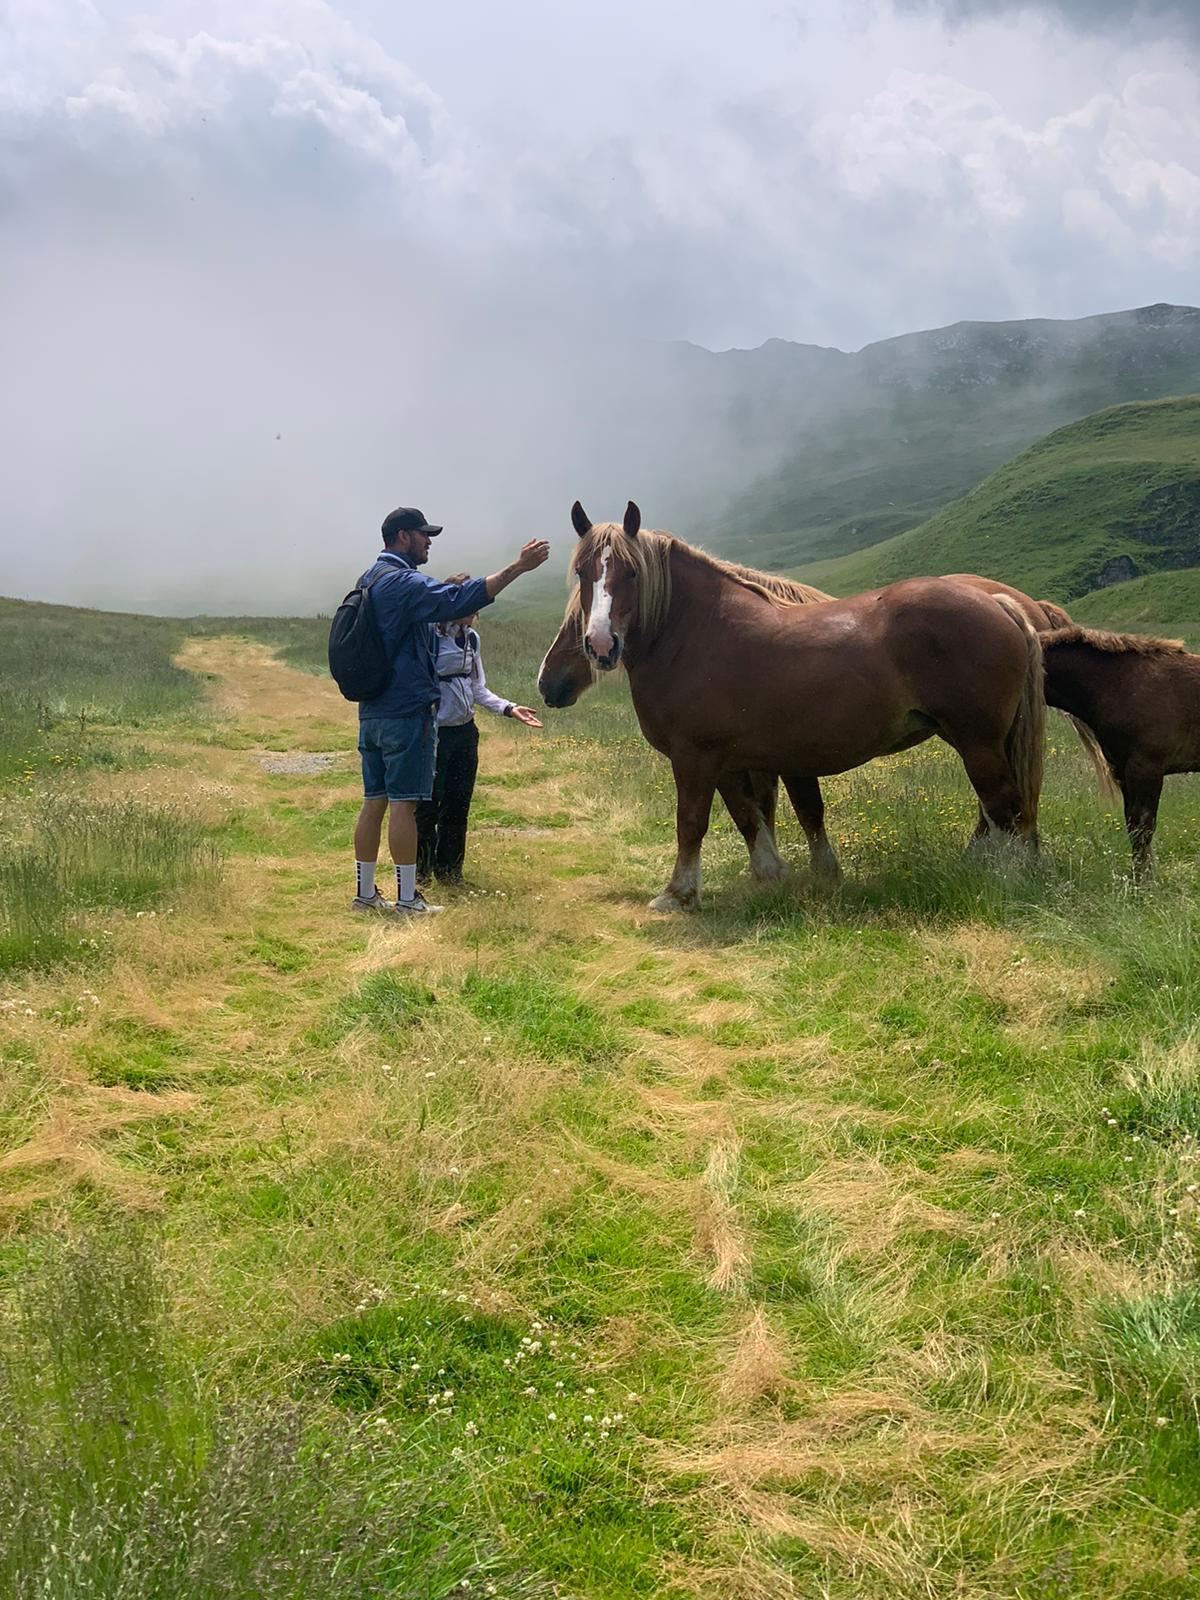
1167, 16
268, 269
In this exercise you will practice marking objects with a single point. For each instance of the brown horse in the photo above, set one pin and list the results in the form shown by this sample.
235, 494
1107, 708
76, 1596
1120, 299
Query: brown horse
751, 798
728, 677
1142, 698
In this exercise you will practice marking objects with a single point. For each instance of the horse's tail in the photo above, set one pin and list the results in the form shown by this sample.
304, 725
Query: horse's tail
1025, 744
1058, 618
1109, 788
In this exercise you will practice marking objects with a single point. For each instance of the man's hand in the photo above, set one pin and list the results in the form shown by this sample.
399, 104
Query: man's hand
533, 554
523, 714
531, 557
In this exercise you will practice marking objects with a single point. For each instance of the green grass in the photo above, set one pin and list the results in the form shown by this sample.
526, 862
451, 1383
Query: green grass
907, 426
73, 679
836, 1243
68, 858
121, 1473
1121, 486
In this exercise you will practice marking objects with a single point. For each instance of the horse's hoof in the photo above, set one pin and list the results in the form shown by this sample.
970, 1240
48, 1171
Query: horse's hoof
774, 872
667, 901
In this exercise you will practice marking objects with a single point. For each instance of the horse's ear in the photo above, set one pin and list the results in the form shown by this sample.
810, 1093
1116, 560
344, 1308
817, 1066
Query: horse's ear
633, 521
580, 520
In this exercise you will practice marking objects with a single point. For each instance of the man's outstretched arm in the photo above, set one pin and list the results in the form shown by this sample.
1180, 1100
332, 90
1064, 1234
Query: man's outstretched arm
532, 556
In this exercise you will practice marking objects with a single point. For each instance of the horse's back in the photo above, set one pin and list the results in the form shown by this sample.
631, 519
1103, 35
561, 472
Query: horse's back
1043, 614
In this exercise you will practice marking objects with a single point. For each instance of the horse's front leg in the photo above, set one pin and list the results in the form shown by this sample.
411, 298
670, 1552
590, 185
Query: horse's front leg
805, 795
695, 785
750, 798
1141, 787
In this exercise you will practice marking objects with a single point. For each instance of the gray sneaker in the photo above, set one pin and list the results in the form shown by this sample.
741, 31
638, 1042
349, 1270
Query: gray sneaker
418, 906
374, 902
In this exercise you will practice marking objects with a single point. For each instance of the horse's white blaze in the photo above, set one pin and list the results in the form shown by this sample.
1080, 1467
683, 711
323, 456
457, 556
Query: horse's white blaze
599, 626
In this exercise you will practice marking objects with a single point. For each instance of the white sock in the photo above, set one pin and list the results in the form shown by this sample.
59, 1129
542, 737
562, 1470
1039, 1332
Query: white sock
406, 881
366, 879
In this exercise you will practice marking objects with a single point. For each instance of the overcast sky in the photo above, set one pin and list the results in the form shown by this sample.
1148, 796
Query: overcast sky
385, 232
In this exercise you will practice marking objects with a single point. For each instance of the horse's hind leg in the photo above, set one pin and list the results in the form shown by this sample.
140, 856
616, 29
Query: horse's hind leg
695, 785
1142, 789
805, 795
750, 798
999, 796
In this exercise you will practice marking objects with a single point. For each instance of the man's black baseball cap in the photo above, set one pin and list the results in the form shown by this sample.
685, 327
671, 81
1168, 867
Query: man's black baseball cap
407, 519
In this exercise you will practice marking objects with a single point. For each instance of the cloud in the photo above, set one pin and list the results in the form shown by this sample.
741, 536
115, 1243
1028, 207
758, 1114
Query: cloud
271, 267
1166, 16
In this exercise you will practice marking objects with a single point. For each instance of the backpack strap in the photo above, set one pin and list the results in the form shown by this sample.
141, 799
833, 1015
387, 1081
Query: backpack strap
382, 573
384, 568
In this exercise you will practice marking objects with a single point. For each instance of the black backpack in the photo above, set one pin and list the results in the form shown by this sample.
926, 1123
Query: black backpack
360, 664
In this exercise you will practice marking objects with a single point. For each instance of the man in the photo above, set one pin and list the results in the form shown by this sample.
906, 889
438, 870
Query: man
397, 729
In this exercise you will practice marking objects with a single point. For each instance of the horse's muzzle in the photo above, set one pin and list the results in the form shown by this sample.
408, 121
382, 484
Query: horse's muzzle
605, 663
558, 691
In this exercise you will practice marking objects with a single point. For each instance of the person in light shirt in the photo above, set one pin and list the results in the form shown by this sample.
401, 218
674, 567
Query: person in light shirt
442, 819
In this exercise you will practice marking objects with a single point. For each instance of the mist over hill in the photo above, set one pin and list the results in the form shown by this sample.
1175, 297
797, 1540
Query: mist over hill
248, 470
870, 444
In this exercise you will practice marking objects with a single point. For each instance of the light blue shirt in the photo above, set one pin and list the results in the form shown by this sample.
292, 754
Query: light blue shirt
459, 665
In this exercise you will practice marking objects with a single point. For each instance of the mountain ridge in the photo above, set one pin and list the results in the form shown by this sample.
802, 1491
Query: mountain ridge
842, 450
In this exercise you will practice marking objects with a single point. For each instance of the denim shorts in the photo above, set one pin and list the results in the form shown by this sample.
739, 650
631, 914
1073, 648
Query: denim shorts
399, 756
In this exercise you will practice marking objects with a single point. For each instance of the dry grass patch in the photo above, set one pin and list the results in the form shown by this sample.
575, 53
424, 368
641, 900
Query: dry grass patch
719, 1234
1032, 989
884, 1552
252, 687
756, 1366
751, 1578
874, 1207
69, 1147
669, 1110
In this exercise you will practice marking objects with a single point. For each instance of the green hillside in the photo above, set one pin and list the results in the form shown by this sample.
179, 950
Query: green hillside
1111, 498
1163, 602
873, 444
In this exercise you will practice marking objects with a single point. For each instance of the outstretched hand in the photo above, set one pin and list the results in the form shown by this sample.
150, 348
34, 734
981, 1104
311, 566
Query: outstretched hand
523, 714
533, 554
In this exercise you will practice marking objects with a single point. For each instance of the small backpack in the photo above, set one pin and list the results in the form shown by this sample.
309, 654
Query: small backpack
358, 660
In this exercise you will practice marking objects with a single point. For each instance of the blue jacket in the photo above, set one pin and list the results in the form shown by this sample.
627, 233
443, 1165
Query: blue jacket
406, 603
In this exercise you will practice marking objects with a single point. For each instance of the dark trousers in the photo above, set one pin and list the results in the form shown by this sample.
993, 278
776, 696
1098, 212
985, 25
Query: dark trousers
442, 820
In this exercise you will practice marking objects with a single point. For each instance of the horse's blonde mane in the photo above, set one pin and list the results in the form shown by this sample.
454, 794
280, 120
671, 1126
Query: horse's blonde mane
1136, 644
650, 553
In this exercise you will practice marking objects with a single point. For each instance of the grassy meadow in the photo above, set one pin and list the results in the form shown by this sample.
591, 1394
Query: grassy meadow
836, 1244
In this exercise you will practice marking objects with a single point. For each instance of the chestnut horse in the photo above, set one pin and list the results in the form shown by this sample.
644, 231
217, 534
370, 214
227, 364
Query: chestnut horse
751, 798
728, 677
1142, 699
